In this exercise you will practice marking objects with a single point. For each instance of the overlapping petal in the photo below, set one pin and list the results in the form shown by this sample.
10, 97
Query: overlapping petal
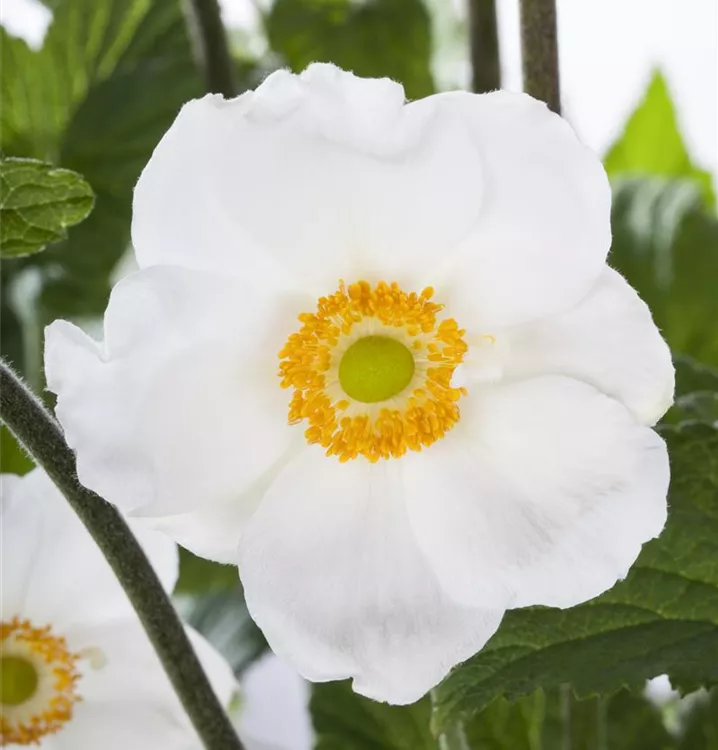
335, 579
608, 340
184, 388
548, 490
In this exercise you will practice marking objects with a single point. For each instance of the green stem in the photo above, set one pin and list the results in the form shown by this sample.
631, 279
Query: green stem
209, 41
484, 45
41, 435
539, 47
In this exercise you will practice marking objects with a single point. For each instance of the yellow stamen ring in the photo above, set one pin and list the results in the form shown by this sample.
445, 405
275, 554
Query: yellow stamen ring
39, 691
353, 380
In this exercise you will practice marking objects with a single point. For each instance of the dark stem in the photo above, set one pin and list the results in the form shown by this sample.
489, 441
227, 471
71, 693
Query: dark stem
484, 43
539, 47
41, 435
209, 41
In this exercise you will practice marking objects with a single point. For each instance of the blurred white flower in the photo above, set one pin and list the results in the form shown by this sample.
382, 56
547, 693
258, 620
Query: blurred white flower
78, 671
383, 513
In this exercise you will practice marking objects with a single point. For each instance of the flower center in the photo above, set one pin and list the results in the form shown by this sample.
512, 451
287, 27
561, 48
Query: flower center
371, 371
18, 680
38, 685
375, 368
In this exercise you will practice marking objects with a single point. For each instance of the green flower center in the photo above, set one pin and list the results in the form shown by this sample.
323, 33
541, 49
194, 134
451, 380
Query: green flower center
18, 680
375, 368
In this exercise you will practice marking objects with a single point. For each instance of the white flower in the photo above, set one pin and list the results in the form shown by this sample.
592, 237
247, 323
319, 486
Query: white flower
384, 509
78, 671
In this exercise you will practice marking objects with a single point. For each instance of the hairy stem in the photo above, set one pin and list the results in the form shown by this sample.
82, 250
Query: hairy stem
209, 41
41, 435
484, 45
539, 47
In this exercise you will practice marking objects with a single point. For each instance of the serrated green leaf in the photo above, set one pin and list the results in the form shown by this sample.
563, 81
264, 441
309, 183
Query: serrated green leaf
38, 202
663, 618
377, 38
344, 720
666, 245
651, 143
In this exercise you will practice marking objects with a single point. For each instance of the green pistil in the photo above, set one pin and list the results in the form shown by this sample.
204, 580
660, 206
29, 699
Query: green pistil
375, 368
18, 680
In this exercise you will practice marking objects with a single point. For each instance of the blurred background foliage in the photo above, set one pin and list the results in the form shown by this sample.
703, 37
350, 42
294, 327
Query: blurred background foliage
97, 96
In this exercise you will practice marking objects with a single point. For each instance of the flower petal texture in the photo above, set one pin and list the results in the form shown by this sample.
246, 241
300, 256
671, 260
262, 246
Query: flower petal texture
59, 592
373, 354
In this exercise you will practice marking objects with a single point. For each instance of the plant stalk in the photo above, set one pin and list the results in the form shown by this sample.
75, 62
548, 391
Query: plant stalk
539, 47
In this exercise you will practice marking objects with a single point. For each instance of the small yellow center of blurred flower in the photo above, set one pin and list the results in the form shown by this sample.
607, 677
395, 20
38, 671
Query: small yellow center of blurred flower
371, 371
38, 683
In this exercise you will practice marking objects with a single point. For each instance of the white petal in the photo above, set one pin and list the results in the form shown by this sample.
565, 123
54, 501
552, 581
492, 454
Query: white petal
180, 407
544, 230
317, 177
334, 578
543, 494
53, 572
609, 340
122, 673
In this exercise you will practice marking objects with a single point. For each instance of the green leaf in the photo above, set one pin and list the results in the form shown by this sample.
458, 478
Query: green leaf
663, 618
700, 725
651, 143
38, 202
666, 245
198, 575
692, 375
96, 98
13, 459
376, 38
344, 720
222, 618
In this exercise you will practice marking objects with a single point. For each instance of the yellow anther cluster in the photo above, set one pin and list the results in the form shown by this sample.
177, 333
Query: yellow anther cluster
47, 711
420, 416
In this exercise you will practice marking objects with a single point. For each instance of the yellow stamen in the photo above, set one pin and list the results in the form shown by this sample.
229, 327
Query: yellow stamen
29, 715
422, 413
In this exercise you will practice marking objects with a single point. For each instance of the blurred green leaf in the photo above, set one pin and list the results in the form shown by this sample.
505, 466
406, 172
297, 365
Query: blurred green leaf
96, 98
211, 599
38, 202
652, 145
222, 618
198, 575
344, 720
700, 725
13, 459
376, 38
509, 726
692, 375
663, 618
666, 245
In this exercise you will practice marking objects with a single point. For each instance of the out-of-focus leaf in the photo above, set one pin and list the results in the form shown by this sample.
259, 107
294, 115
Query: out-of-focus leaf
509, 726
13, 459
666, 245
38, 202
211, 599
223, 619
652, 145
344, 720
700, 725
692, 376
200, 576
663, 618
96, 98
376, 38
